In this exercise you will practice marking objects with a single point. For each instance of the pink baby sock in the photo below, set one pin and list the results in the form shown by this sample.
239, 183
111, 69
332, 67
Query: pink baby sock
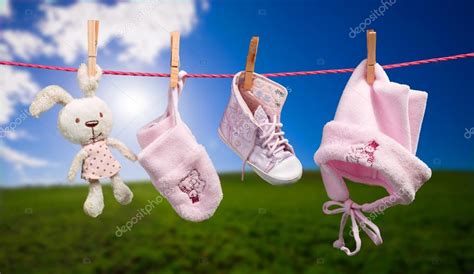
179, 167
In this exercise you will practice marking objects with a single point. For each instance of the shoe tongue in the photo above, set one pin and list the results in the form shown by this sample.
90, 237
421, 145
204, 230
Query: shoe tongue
270, 95
260, 115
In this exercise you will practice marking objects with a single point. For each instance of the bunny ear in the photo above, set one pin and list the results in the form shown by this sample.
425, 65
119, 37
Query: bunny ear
88, 84
46, 98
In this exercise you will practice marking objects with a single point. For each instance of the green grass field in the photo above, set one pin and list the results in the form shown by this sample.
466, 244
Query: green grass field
258, 228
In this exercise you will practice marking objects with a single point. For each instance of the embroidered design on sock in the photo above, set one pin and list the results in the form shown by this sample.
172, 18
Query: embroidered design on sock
192, 185
363, 153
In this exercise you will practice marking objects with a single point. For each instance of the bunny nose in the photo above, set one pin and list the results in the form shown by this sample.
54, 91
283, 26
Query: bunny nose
92, 123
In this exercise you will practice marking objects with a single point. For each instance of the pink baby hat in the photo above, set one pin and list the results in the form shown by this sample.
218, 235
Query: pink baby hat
178, 166
372, 140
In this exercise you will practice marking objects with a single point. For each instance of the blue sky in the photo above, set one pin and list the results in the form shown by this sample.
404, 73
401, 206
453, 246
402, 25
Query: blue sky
294, 36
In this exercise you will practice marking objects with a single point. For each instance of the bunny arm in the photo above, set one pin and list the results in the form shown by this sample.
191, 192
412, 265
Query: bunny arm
122, 148
76, 164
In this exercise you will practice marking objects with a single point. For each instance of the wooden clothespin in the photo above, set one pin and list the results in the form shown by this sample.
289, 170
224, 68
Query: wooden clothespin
174, 64
250, 66
371, 46
92, 38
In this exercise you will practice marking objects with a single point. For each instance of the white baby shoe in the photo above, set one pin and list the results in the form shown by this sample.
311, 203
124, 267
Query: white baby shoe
251, 127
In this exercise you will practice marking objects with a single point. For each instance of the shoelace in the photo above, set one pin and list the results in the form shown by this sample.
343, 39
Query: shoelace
349, 208
274, 140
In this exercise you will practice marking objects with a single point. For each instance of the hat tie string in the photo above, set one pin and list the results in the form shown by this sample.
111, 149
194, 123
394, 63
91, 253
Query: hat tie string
349, 208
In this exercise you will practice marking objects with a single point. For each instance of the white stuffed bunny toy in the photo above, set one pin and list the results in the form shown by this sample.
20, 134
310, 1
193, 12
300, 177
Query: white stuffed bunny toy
88, 121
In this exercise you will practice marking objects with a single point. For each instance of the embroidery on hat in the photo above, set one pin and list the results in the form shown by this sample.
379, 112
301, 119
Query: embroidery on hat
192, 185
363, 153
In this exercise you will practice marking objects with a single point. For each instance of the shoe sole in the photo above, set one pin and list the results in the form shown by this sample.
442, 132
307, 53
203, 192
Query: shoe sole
261, 173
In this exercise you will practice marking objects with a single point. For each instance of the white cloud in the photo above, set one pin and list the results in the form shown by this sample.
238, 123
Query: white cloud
26, 179
17, 134
5, 8
16, 86
141, 28
5, 53
20, 160
26, 45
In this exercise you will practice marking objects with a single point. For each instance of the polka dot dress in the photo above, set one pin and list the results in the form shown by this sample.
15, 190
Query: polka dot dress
100, 163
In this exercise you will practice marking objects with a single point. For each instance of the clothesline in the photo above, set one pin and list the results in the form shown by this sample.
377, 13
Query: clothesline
276, 74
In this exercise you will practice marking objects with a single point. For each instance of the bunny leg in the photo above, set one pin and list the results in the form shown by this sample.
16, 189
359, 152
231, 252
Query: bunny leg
94, 203
122, 193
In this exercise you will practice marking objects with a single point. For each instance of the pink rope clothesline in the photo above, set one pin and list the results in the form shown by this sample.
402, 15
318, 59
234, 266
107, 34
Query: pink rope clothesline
276, 74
